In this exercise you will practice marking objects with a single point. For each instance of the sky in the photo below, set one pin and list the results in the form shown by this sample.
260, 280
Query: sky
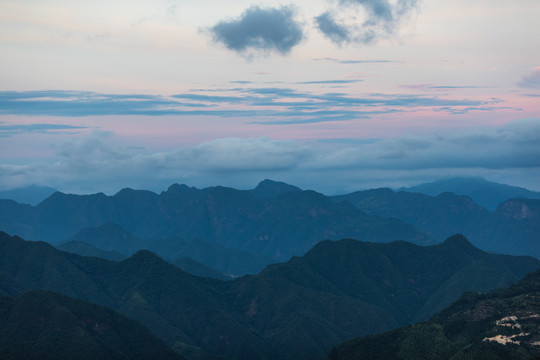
330, 95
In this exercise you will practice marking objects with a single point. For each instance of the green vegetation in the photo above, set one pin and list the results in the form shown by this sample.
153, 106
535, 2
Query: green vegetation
46, 325
503, 324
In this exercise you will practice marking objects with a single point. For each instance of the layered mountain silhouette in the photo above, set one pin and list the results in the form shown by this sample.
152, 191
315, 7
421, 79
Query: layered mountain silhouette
296, 310
185, 263
485, 193
239, 232
31, 195
513, 228
194, 267
86, 249
278, 227
110, 237
45, 325
503, 324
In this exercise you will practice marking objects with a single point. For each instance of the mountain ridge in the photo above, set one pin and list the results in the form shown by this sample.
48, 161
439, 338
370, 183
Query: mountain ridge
277, 227
485, 193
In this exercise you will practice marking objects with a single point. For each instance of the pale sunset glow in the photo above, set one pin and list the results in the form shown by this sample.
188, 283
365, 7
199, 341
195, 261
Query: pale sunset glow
328, 95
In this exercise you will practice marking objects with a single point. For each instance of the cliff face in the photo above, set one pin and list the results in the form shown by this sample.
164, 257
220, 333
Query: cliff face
520, 209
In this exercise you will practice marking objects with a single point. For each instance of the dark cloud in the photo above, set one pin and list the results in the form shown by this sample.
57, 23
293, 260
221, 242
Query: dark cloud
532, 80
381, 19
259, 31
378, 10
328, 25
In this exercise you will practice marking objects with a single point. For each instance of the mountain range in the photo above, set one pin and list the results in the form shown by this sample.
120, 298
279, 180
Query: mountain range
295, 310
485, 193
275, 227
499, 325
237, 232
513, 228
109, 239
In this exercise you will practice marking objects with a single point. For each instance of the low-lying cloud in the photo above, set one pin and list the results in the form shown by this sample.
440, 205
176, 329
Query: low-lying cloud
96, 162
260, 31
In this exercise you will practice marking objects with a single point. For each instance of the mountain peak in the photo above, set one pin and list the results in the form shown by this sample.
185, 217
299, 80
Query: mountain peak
459, 241
145, 257
178, 187
485, 193
269, 188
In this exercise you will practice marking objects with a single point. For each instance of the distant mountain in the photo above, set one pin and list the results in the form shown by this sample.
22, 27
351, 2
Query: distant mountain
230, 261
442, 216
31, 195
514, 228
85, 249
268, 189
45, 325
295, 310
485, 193
110, 237
277, 227
185, 263
194, 267
503, 324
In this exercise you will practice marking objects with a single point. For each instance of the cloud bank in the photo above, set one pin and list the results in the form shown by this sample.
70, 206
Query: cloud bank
260, 31
98, 163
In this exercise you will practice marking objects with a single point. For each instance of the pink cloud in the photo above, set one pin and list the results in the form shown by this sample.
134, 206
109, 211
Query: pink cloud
532, 80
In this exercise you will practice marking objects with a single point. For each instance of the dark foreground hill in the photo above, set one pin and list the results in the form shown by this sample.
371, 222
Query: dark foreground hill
295, 310
45, 325
501, 325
